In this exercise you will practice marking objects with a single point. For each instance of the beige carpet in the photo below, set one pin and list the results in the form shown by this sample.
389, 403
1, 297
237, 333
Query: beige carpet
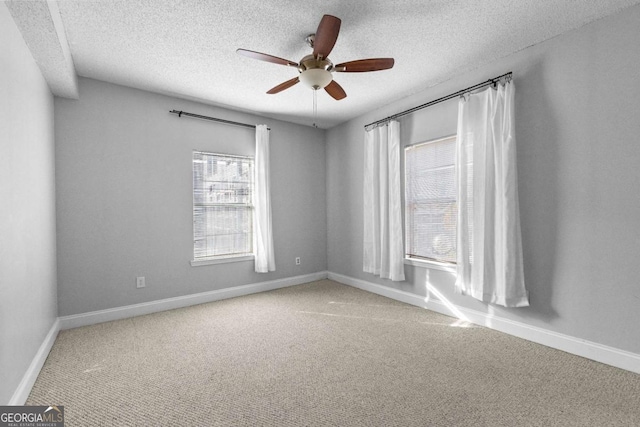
322, 354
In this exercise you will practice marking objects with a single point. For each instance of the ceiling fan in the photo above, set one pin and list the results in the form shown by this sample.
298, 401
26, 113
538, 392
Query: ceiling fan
316, 69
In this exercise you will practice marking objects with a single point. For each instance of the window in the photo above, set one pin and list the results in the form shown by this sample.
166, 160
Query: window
430, 200
222, 206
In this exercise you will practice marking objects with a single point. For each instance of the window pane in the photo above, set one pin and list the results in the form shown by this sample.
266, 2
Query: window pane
430, 200
222, 205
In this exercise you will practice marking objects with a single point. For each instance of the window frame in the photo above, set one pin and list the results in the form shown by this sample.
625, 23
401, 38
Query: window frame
418, 261
226, 258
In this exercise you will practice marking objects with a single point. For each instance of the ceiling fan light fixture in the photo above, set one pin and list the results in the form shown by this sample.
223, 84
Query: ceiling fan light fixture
315, 70
316, 78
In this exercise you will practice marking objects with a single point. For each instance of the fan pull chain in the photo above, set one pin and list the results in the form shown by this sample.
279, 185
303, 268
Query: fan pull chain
315, 107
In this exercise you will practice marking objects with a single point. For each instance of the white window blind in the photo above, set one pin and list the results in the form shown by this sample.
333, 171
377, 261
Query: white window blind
222, 205
430, 200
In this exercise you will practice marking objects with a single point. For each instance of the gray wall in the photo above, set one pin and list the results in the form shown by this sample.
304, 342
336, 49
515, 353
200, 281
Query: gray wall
124, 197
27, 208
578, 138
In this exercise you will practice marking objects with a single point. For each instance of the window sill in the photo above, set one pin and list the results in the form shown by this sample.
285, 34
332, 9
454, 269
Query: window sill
221, 260
433, 265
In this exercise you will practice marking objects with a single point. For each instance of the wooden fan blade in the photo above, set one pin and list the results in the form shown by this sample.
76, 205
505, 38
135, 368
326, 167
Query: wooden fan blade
363, 65
326, 36
283, 86
264, 57
335, 90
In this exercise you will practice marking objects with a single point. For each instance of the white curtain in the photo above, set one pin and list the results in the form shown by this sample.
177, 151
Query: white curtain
383, 250
262, 232
489, 246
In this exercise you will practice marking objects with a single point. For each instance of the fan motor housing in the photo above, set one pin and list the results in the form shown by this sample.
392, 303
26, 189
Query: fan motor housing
310, 62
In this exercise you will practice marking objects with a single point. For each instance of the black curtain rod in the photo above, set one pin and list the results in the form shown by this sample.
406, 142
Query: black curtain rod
489, 82
198, 116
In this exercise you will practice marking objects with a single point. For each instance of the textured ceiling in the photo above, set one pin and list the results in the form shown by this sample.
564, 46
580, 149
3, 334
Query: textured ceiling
186, 48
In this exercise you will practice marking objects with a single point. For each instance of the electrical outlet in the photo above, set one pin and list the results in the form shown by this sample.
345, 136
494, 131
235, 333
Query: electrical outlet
140, 282
297, 260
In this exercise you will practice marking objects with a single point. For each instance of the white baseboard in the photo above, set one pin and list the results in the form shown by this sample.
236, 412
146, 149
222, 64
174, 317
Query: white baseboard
29, 378
594, 351
588, 349
94, 317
